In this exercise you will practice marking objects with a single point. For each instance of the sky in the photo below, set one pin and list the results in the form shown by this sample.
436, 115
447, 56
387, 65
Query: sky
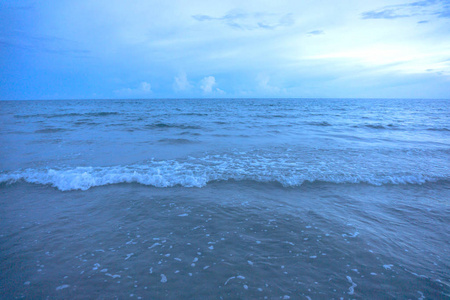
90, 49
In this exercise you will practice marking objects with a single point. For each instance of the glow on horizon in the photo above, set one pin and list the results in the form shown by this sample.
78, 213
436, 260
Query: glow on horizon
148, 49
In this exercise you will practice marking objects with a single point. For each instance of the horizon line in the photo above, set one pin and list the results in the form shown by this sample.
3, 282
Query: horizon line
227, 98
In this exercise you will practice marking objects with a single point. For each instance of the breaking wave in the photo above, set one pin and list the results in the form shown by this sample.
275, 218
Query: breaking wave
199, 173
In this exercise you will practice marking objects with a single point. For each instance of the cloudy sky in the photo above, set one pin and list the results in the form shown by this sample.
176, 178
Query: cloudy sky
172, 49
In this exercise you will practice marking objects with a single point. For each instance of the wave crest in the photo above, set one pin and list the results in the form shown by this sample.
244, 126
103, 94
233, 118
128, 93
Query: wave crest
172, 173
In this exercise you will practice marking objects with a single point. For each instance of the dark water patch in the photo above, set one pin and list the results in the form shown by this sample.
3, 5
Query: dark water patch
378, 126
439, 129
273, 116
92, 114
171, 125
279, 125
177, 141
194, 114
81, 142
323, 124
158, 125
221, 135
51, 130
47, 141
131, 129
48, 115
116, 124
79, 123
28, 116
17, 132
102, 114
63, 115
89, 123
375, 126
274, 131
190, 133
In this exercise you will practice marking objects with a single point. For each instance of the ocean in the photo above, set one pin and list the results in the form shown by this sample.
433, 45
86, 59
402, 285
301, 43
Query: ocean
225, 199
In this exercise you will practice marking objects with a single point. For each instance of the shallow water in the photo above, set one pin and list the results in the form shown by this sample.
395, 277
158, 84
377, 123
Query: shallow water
232, 239
293, 198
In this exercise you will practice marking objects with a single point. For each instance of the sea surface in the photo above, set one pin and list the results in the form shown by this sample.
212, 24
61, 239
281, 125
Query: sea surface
225, 199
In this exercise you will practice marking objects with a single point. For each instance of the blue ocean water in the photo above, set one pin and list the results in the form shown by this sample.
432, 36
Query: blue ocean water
225, 198
80, 144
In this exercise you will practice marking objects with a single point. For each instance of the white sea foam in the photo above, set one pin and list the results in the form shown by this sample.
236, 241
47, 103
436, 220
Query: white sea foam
163, 278
61, 287
201, 171
232, 277
351, 290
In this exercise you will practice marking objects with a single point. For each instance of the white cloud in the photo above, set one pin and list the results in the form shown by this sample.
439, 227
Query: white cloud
207, 84
181, 83
264, 85
220, 91
240, 19
143, 89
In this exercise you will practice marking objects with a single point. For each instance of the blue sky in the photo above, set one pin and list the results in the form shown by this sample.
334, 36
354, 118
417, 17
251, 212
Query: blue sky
173, 49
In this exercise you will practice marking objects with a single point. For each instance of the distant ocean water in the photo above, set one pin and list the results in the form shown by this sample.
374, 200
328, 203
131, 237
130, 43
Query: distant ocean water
225, 198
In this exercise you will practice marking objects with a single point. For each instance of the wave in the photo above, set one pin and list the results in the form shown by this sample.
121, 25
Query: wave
102, 114
170, 125
198, 174
377, 126
84, 122
438, 129
323, 123
194, 114
274, 116
90, 114
51, 130
177, 141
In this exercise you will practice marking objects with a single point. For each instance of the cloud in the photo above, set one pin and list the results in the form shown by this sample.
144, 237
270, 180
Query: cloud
383, 14
181, 83
250, 21
316, 32
89, 46
207, 85
262, 81
439, 8
143, 89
